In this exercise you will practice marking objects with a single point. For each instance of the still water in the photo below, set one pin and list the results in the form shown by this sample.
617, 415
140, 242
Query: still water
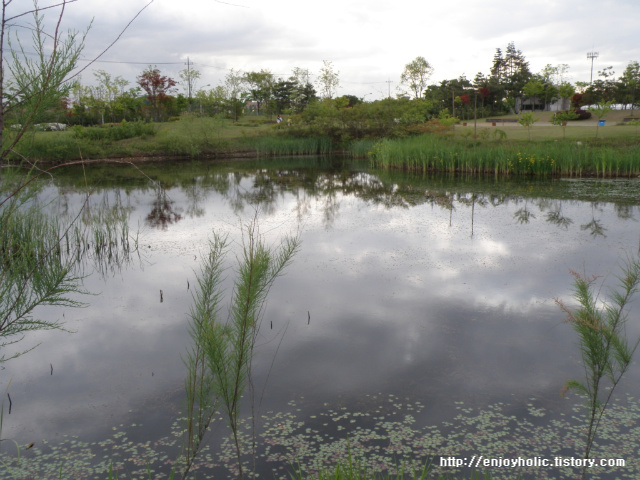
418, 320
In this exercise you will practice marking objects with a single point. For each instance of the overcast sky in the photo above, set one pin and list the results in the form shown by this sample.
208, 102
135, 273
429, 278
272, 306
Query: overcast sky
368, 41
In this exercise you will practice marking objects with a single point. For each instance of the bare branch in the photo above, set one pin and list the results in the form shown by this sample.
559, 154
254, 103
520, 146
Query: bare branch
37, 9
112, 43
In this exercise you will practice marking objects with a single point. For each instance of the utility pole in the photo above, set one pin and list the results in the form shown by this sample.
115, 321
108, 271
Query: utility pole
189, 84
189, 76
592, 56
389, 82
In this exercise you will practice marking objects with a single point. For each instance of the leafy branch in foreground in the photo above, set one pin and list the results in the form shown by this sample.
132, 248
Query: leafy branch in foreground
604, 347
219, 362
33, 269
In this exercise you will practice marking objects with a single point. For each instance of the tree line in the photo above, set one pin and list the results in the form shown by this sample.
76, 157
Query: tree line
510, 87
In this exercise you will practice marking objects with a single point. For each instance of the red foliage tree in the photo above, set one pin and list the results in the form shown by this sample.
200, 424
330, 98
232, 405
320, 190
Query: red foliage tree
576, 101
158, 87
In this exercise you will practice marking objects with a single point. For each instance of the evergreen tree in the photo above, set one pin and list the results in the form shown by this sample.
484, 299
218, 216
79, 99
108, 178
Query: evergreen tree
509, 74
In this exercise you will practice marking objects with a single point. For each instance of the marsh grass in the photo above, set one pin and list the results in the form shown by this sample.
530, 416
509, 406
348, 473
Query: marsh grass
194, 136
281, 145
553, 158
43, 258
33, 270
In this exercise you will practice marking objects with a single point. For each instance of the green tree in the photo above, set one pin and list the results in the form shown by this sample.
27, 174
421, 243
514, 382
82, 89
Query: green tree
602, 89
527, 120
566, 91
600, 110
37, 83
283, 94
561, 119
415, 75
188, 79
260, 86
304, 92
532, 89
629, 86
328, 80
509, 74
235, 92
103, 98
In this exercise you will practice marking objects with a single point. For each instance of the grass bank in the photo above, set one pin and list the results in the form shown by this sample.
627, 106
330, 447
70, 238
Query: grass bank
477, 147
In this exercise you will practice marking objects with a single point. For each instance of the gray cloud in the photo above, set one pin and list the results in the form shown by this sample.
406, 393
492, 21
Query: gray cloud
368, 42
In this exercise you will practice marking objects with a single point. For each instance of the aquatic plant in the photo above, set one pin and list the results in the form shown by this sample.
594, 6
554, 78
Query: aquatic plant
219, 363
33, 269
604, 347
385, 437
442, 154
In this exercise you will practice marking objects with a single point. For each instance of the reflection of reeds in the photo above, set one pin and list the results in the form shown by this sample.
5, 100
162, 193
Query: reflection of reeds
103, 240
435, 153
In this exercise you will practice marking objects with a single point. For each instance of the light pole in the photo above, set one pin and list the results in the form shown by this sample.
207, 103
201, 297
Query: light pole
592, 56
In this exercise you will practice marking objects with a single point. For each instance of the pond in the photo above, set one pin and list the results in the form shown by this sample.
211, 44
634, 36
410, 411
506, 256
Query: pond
418, 320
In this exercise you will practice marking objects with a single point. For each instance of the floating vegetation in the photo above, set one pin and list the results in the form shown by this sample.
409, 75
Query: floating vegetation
383, 438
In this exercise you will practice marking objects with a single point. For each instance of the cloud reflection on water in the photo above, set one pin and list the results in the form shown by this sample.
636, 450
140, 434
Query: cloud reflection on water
405, 296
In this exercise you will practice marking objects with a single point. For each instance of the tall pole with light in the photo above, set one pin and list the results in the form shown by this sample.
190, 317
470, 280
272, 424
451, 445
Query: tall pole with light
592, 56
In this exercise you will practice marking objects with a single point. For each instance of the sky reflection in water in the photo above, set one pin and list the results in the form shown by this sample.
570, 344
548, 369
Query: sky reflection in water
392, 292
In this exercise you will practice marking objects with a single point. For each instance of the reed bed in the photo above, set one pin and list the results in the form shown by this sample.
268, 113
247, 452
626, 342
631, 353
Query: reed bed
285, 145
551, 158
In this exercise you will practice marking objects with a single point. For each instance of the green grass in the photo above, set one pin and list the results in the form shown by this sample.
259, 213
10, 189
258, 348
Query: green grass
190, 136
284, 145
540, 158
501, 150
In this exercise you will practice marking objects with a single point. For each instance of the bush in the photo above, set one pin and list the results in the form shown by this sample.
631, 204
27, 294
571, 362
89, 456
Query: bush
114, 131
582, 114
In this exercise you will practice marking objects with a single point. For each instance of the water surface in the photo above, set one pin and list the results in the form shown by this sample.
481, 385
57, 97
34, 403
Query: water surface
413, 298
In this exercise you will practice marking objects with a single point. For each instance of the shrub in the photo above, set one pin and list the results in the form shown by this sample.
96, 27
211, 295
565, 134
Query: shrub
114, 132
582, 114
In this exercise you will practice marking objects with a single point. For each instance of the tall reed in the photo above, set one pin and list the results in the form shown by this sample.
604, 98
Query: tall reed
33, 271
566, 158
285, 145
219, 362
604, 347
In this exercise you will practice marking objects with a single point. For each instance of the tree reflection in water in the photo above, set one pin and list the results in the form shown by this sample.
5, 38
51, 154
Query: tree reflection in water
162, 214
